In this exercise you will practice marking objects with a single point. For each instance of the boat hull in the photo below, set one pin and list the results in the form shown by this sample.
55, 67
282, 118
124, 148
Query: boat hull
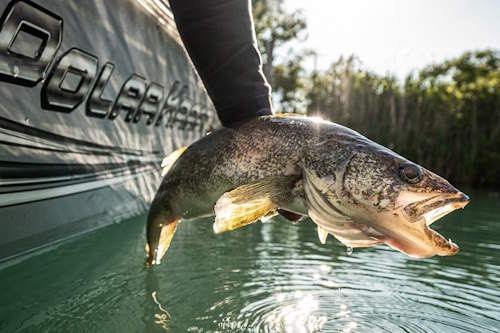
93, 95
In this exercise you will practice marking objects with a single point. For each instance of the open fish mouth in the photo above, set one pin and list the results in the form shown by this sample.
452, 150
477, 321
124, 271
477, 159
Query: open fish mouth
405, 228
437, 213
419, 239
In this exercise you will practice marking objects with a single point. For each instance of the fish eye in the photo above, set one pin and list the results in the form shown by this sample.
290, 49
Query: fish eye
410, 173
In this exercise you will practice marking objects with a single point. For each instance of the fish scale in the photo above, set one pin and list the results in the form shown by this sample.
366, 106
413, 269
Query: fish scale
347, 184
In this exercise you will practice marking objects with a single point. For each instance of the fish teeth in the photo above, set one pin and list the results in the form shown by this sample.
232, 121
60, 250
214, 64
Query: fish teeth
322, 234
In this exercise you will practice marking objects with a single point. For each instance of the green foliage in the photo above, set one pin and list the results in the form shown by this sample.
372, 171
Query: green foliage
275, 28
446, 118
290, 83
273, 24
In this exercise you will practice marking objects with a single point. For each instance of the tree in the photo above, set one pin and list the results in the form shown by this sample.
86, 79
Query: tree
274, 29
446, 118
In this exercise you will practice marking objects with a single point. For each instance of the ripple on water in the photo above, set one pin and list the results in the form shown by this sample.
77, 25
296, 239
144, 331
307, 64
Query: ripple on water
274, 277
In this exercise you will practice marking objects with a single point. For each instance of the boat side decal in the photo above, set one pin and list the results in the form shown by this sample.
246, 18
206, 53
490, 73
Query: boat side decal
30, 38
70, 80
14, 173
51, 187
23, 20
35, 135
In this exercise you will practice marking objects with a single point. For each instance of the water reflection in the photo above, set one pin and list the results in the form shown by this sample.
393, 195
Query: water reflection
273, 277
163, 315
154, 314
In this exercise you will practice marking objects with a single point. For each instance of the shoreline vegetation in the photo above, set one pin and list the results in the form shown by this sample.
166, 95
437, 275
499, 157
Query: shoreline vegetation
445, 117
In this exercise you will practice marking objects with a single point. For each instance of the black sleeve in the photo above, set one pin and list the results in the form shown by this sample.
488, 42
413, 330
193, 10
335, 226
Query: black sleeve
220, 39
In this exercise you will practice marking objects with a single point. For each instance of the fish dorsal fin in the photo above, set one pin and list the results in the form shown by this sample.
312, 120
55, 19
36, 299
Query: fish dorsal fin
331, 219
285, 115
250, 202
169, 161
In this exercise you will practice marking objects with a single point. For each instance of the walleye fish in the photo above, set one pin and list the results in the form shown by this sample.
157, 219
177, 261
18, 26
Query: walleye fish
354, 189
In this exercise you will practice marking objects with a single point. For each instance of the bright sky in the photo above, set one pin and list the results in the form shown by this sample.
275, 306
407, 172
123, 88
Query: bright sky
398, 36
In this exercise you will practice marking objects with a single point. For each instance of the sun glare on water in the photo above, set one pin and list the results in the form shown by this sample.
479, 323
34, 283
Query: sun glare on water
299, 315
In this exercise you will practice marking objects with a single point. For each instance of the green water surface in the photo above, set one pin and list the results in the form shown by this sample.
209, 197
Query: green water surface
273, 277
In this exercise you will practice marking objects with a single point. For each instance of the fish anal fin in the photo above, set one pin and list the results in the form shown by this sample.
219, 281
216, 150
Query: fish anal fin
250, 202
169, 161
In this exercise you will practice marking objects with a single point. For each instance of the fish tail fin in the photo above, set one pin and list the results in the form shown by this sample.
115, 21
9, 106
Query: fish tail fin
160, 231
169, 161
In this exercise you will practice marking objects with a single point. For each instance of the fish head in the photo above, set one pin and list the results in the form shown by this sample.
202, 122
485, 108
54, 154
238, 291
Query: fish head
389, 198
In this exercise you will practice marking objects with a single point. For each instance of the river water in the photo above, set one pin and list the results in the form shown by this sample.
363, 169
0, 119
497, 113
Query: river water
272, 277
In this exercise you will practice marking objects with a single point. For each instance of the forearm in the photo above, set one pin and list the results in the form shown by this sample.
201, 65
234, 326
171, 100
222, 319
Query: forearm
220, 39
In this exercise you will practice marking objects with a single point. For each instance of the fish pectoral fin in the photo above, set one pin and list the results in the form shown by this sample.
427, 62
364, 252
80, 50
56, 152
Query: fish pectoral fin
169, 161
250, 202
230, 216
269, 216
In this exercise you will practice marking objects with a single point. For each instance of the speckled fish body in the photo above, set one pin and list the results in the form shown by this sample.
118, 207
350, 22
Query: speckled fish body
354, 189
230, 157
